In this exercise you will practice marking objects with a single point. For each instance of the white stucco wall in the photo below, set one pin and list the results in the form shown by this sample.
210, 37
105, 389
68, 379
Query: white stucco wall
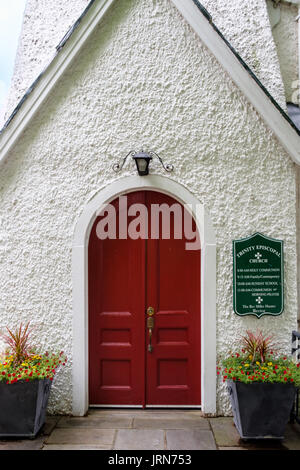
44, 25
143, 79
245, 24
285, 33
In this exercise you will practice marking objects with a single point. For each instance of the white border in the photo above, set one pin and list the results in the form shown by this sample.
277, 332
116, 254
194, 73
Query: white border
80, 285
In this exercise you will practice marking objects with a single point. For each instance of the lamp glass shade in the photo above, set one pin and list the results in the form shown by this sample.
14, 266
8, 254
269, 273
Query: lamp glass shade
142, 161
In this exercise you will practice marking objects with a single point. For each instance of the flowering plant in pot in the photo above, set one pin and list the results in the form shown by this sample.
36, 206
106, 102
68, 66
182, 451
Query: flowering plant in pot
261, 385
26, 376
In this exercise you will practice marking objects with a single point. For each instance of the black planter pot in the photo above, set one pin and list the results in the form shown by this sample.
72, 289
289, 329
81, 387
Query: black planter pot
23, 407
261, 410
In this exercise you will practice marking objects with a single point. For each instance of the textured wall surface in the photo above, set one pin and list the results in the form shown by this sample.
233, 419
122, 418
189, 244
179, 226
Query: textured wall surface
286, 39
143, 78
245, 24
44, 25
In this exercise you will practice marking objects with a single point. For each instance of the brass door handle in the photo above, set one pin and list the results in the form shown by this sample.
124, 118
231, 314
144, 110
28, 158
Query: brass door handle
150, 326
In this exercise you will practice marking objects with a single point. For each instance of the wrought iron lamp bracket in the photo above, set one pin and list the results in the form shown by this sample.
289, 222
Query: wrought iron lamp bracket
119, 165
167, 167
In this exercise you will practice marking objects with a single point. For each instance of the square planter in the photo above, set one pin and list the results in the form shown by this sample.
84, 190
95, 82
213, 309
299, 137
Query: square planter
23, 407
261, 410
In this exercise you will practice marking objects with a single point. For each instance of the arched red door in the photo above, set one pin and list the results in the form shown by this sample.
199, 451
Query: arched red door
126, 277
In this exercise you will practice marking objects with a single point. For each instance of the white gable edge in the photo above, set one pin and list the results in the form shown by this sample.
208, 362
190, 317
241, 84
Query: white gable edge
283, 130
52, 74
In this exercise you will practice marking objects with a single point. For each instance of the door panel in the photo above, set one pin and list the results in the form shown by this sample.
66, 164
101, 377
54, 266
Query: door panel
116, 306
173, 289
125, 277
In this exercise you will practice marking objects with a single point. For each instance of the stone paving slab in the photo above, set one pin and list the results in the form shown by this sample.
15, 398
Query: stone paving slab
22, 444
139, 439
75, 447
227, 436
146, 430
231, 448
225, 432
170, 422
50, 423
292, 437
263, 444
88, 436
187, 439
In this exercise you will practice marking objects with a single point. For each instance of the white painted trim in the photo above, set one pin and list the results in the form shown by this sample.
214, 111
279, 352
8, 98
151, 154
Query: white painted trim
286, 135
271, 115
80, 283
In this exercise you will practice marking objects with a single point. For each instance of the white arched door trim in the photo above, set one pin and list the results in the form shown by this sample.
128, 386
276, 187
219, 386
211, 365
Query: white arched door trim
80, 283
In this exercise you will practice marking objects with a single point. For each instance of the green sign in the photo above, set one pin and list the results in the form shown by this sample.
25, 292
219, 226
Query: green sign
258, 276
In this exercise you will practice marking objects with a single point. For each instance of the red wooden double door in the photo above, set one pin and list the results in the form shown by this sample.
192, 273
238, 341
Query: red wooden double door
126, 276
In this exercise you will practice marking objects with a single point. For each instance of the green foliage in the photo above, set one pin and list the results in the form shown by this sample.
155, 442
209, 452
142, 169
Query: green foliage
257, 345
17, 341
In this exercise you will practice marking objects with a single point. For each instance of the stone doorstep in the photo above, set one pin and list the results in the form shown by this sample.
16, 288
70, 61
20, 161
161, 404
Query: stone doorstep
185, 431
100, 422
152, 420
88, 433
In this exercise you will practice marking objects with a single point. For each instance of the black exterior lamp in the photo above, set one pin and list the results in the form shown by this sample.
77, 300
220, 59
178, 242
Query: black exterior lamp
142, 160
